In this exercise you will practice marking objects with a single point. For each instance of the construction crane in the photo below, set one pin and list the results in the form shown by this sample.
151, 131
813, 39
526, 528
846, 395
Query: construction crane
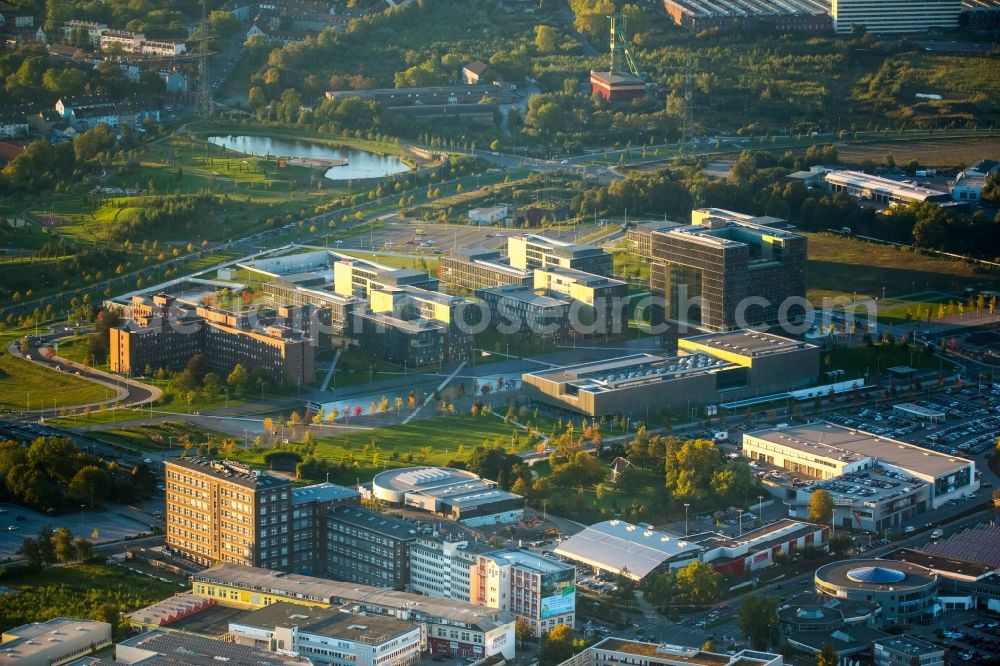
621, 54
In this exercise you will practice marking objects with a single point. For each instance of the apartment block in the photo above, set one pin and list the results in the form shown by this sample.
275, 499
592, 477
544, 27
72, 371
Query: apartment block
540, 589
534, 251
368, 547
223, 511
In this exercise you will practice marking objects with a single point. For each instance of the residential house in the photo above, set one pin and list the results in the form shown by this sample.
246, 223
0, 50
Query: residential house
475, 72
13, 124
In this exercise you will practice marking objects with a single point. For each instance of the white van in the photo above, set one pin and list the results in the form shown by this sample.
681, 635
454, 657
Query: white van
909, 529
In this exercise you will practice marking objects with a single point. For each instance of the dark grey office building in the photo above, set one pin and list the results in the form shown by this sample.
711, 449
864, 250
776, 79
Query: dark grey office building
726, 271
368, 547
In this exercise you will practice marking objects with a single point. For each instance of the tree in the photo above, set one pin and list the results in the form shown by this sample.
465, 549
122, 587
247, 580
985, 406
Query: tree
109, 613
759, 620
690, 470
557, 645
820, 506
238, 379
84, 549
827, 656
545, 38
697, 583
32, 554
89, 484
522, 630
62, 539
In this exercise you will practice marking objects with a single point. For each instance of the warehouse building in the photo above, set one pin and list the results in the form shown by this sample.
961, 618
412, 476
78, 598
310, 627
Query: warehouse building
712, 368
823, 450
881, 190
452, 627
614, 547
780, 15
455, 494
57, 641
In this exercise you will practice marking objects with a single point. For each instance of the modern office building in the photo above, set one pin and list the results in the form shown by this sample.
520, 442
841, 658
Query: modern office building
223, 511
599, 304
357, 277
534, 251
779, 15
517, 310
881, 190
164, 333
415, 343
907, 593
368, 547
724, 271
850, 457
906, 651
414, 304
452, 627
894, 16
615, 651
329, 635
711, 369
183, 649
289, 291
808, 620
539, 589
53, 643
310, 505
479, 268
455, 494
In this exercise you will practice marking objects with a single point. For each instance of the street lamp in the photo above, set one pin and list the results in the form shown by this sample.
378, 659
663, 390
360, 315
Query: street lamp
760, 508
686, 505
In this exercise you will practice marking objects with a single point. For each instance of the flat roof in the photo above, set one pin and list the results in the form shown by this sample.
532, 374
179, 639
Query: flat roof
583, 277
37, 638
614, 545
918, 410
322, 492
422, 479
341, 593
975, 544
407, 325
746, 342
231, 472
522, 294
331, 622
909, 645
617, 78
528, 560
680, 654
174, 648
835, 441
867, 486
560, 247
861, 180
941, 563
629, 371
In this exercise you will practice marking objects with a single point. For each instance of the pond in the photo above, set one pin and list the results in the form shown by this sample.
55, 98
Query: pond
359, 164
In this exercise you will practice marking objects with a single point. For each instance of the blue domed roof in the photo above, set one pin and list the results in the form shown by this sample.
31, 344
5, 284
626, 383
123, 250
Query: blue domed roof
876, 575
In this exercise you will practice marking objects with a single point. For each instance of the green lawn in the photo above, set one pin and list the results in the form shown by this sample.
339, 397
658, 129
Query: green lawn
24, 384
400, 446
840, 266
78, 591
